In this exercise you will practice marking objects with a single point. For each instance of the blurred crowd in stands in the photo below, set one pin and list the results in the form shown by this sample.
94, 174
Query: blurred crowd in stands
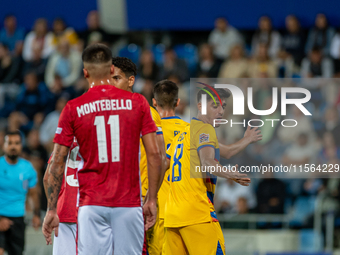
41, 69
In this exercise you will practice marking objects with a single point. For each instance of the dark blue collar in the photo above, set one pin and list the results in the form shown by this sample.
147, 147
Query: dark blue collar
171, 117
196, 119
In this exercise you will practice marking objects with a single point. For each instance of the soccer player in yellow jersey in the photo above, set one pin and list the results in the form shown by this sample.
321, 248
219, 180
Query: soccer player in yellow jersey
124, 78
165, 101
191, 226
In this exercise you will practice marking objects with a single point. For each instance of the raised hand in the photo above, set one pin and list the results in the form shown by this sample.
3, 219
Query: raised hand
253, 134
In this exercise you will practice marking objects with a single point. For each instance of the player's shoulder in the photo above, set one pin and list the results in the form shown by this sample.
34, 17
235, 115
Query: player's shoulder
198, 126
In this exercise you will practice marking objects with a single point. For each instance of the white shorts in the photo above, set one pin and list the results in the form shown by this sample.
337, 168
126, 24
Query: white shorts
110, 230
65, 243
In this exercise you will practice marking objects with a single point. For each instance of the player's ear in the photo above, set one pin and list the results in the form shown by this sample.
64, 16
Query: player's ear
86, 73
199, 106
177, 103
131, 80
154, 103
112, 70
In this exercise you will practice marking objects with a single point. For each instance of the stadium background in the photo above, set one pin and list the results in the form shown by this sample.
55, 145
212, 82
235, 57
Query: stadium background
272, 216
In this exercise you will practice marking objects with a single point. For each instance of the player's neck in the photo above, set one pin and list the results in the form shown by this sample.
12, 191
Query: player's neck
164, 113
98, 82
202, 118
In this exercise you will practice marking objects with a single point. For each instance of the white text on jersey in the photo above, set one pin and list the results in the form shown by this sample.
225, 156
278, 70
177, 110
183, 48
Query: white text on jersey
104, 105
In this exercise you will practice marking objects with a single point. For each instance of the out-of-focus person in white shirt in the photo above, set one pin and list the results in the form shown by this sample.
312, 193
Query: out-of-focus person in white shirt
223, 38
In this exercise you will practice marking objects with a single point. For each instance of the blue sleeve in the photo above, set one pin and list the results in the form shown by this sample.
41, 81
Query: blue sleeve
33, 177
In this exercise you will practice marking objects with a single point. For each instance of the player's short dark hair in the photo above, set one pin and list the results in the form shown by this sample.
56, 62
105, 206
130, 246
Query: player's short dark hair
11, 133
96, 54
126, 65
166, 94
221, 92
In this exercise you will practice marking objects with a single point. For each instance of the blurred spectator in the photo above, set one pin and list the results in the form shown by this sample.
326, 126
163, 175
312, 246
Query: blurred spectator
335, 53
61, 32
266, 35
94, 33
207, 63
147, 68
300, 152
329, 149
242, 206
223, 37
332, 124
50, 124
147, 90
317, 65
320, 36
9, 65
311, 187
64, 63
335, 46
32, 103
173, 65
38, 39
229, 193
33, 146
285, 64
304, 125
261, 66
293, 41
37, 155
12, 36
270, 195
236, 66
38, 64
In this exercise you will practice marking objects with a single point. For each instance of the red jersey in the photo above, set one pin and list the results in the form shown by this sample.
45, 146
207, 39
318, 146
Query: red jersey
68, 195
107, 123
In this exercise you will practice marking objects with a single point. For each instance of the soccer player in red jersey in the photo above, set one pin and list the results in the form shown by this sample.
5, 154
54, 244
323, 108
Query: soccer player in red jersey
107, 123
124, 78
65, 242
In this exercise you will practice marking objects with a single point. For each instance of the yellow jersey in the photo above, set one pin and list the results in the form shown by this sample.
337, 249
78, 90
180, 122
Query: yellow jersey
191, 195
143, 164
171, 126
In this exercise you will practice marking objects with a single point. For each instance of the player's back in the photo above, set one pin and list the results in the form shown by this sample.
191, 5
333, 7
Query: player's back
107, 123
171, 126
190, 199
187, 202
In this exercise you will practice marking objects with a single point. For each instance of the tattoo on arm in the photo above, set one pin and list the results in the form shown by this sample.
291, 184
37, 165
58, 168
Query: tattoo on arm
55, 178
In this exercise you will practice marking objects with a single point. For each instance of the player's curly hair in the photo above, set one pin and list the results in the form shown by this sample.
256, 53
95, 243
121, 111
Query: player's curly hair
126, 65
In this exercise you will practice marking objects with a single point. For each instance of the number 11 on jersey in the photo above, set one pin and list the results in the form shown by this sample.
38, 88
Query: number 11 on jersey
99, 122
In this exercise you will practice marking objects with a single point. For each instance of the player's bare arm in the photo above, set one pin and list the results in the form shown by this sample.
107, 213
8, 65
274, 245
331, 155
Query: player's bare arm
54, 180
207, 158
155, 176
45, 180
250, 136
33, 193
